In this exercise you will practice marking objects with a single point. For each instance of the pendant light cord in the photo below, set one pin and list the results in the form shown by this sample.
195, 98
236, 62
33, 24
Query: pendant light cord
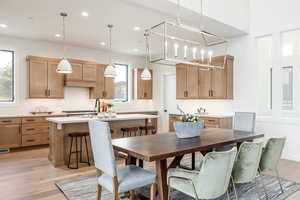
201, 14
178, 12
64, 15
147, 48
110, 50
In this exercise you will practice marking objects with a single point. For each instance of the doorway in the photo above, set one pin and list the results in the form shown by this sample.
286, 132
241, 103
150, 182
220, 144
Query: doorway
169, 99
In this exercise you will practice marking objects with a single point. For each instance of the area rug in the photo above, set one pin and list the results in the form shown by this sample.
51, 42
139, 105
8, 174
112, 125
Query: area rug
84, 188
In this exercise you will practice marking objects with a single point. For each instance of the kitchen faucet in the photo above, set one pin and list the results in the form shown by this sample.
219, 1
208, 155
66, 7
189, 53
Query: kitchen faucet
97, 105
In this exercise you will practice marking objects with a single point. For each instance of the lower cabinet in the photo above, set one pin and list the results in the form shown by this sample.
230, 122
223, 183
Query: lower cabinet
10, 136
209, 122
23, 132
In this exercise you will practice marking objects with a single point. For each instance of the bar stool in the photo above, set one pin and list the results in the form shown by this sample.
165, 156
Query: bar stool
146, 129
80, 136
129, 131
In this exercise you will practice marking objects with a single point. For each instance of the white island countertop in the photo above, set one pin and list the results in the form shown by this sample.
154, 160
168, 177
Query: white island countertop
83, 119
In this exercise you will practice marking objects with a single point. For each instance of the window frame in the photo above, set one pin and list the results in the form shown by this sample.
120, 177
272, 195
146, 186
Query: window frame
292, 107
13, 77
127, 83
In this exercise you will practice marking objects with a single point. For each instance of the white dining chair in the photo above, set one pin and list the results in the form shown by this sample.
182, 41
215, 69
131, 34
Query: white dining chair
123, 180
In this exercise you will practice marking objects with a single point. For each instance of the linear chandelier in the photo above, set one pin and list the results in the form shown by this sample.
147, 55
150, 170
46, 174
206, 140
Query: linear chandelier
174, 43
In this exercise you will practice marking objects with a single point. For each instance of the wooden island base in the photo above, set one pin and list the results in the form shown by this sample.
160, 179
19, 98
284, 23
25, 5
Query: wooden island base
59, 141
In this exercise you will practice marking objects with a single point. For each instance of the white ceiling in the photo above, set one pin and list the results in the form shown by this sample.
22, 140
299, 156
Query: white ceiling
39, 19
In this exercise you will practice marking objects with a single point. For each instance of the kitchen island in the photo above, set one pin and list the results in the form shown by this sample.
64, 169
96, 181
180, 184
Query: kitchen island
60, 127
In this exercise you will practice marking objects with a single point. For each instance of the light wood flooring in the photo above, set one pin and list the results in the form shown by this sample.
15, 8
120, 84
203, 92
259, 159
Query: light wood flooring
27, 175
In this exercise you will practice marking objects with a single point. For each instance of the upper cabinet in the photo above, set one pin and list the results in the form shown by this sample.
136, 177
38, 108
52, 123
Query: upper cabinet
105, 87
195, 83
187, 82
44, 81
144, 87
83, 75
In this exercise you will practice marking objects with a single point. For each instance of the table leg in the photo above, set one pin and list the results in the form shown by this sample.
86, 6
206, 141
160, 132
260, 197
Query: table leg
146, 126
193, 160
131, 160
161, 172
176, 161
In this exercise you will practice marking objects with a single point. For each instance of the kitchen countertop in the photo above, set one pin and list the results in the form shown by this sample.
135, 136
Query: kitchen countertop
210, 115
81, 119
63, 114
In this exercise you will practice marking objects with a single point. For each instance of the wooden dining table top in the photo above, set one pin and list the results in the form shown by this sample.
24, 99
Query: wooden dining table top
166, 145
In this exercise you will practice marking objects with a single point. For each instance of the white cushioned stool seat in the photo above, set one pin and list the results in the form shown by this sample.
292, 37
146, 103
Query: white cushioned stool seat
130, 177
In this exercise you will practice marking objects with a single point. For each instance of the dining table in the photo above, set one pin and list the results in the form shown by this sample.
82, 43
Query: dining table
160, 147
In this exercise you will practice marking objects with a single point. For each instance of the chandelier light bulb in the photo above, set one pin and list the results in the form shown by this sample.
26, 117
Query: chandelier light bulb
176, 46
202, 54
194, 52
210, 53
185, 48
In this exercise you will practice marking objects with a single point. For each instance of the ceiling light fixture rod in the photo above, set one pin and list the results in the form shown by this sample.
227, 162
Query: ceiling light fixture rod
110, 26
64, 15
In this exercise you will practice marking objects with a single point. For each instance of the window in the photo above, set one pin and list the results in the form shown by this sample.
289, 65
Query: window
121, 83
6, 76
264, 63
290, 74
287, 88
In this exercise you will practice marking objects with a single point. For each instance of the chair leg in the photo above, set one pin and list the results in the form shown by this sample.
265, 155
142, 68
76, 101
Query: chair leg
70, 152
169, 192
256, 188
264, 186
99, 190
228, 197
234, 189
153, 191
279, 181
87, 151
80, 149
193, 160
76, 153
132, 195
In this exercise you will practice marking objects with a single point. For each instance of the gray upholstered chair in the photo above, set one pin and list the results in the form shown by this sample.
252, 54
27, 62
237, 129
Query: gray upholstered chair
246, 165
210, 182
116, 180
271, 155
244, 121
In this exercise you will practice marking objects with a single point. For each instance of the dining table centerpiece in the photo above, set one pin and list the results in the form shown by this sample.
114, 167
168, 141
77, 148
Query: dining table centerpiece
189, 126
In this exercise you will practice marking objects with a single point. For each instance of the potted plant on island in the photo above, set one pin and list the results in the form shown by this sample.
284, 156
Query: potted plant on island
189, 126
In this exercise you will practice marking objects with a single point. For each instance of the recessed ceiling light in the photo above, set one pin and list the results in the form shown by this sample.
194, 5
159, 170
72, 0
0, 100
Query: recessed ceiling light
136, 50
137, 28
3, 25
84, 14
57, 35
103, 43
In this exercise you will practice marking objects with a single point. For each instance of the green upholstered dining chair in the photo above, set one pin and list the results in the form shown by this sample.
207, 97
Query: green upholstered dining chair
271, 155
210, 182
246, 165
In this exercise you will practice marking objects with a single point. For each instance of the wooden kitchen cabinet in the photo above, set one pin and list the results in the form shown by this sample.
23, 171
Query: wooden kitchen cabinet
83, 75
55, 82
196, 83
144, 87
105, 87
76, 75
44, 81
209, 122
10, 135
187, 82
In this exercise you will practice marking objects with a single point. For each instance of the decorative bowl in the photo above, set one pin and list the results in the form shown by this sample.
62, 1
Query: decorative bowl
188, 129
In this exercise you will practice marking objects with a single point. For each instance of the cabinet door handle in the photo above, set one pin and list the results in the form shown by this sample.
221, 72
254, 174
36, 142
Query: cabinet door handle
46, 92
6, 121
145, 94
30, 129
212, 93
49, 92
30, 140
187, 93
30, 120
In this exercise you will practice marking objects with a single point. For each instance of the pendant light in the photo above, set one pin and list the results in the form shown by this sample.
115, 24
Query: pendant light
146, 74
110, 70
64, 65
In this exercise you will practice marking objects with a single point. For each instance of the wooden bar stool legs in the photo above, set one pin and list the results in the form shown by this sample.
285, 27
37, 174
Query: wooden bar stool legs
77, 151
